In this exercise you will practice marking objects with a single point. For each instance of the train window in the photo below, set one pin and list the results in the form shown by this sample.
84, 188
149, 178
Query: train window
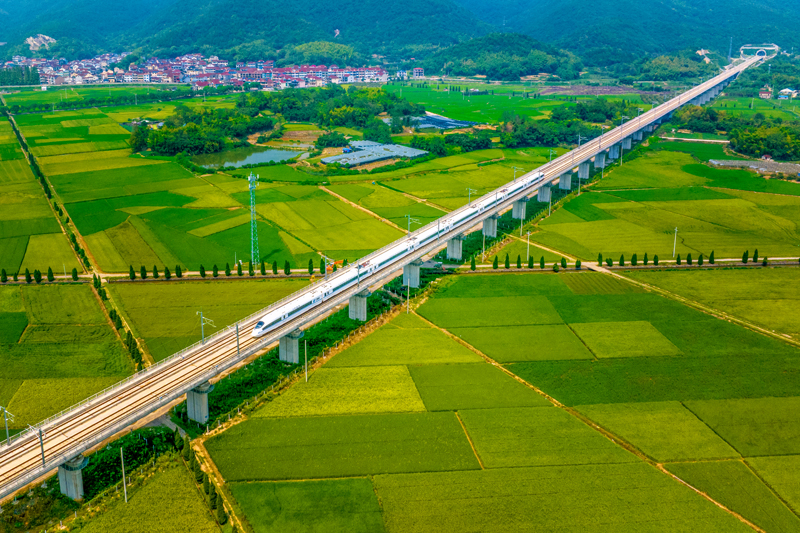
259, 325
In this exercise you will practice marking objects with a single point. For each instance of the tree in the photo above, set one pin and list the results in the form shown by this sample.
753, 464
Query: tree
310, 267
287, 268
239, 269
206, 487
555, 267
155, 272
578, 264
609, 262
678, 259
275, 268
764, 262
622, 260
563, 262
222, 518
599, 259
688, 259
495, 263
655, 260
187, 449
507, 262
50, 276
228, 269
744, 257
634, 259
131, 274
755, 255
711, 257
263, 268
250, 271
202, 271
37, 276
178, 271
177, 440
541, 262
212, 496
519, 261
139, 136
700, 260
75, 274
215, 270
143, 272
334, 267
117, 322
530, 261
472, 265
198, 471
3, 276
322, 266
167, 273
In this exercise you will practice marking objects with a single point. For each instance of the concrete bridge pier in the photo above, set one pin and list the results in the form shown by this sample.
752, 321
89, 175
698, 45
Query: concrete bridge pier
70, 477
490, 227
197, 402
565, 181
600, 160
544, 194
613, 152
289, 347
357, 309
627, 143
583, 170
519, 209
638, 135
411, 273
454, 247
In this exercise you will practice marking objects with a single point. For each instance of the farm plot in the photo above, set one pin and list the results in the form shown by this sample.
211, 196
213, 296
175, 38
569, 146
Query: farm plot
389, 204
636, 338
320, 505
732, 291
347, 391
537, 436
780, 473
145, 509
421, 344
735, 486
591, 498
758, 426
665, 431
507, 344
470, 386
490, 311
58, 348
163, 315
302, 448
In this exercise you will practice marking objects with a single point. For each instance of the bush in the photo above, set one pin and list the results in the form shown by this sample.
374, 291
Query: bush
634, 260
655, 260
578, 264
745, 257
555, 267
75, 274
202, 271
609, 262
764, 262
495, 263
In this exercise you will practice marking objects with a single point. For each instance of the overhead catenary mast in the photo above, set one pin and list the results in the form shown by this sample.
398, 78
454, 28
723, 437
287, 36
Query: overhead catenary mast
255, 257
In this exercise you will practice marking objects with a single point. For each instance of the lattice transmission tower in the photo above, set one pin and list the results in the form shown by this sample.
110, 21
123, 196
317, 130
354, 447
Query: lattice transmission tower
255, 257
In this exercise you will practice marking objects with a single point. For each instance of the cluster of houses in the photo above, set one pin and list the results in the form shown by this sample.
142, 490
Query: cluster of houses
765, 93
199, 71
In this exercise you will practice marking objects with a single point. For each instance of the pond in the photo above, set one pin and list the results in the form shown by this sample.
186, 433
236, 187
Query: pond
243, 156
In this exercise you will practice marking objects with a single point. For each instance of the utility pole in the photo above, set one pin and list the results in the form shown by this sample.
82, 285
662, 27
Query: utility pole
675, 244
470, 191
124, 483
305, 345
41, 444
237, 338
528, 253
5, 419
203, 322
551, 151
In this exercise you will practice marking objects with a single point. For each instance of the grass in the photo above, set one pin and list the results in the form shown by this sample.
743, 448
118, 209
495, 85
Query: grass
734, 291
335, 505
11, 326
15, 170
421, 344
735, 486
490, 311
62, 304
347, 391
780, 473
701, 151
507, 344
147, 508
654, 169
49, 250
537, 436
164, 314
592, 498
664, 431
624, 339
594, 283
758, 426
302, 448
470, 386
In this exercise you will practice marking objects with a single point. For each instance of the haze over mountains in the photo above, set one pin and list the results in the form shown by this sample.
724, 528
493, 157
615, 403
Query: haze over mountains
601, 31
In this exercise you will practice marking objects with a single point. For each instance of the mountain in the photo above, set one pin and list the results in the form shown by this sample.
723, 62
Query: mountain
606, 31
240, 27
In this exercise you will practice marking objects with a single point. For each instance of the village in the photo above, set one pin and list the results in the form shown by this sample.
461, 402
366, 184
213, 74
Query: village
199, 71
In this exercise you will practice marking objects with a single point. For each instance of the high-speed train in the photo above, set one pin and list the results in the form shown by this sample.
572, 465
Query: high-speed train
346, 278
